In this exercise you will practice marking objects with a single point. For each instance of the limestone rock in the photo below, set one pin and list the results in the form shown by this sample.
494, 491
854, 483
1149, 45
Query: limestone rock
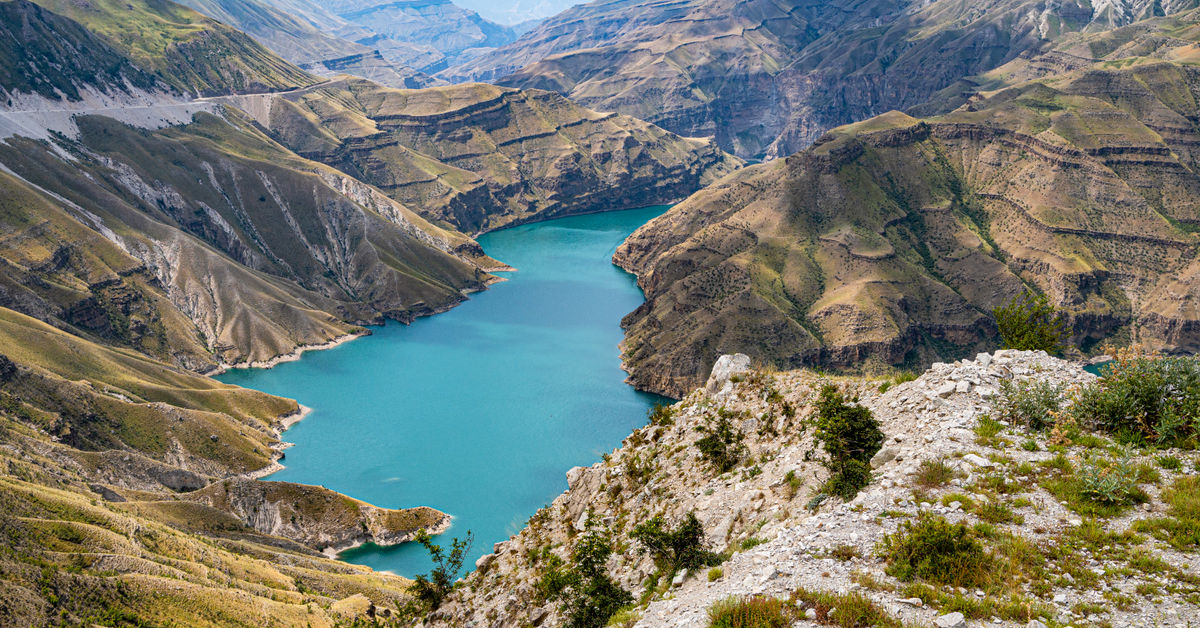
726, 367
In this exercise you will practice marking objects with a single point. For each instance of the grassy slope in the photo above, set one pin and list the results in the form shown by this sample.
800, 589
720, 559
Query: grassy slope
892, 239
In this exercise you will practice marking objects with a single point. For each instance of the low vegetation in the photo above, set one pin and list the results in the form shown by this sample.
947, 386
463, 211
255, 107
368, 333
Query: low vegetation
1030, 323
851, 437
672, 550
432, 588
937, 551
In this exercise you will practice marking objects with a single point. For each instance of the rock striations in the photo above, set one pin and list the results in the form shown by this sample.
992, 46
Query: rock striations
891, 240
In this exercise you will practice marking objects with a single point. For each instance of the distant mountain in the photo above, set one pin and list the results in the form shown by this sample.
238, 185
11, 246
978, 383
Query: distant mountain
514, 12
446, 33
890, 241
300, 41
766, 77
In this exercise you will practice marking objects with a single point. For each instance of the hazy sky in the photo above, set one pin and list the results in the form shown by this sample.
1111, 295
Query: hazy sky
513, 11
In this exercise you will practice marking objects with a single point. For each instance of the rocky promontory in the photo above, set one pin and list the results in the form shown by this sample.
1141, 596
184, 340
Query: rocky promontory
948, 455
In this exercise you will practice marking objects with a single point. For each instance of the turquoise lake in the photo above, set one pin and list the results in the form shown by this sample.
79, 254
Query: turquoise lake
480, 411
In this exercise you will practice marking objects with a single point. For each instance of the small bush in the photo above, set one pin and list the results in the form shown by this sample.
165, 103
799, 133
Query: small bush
851, 437
1144, 398
722, 447
1111, 482
934, 550
588, 596
433, 588
715, 574
750, 612
1031, 323
661, 414
1032, 403
672, 550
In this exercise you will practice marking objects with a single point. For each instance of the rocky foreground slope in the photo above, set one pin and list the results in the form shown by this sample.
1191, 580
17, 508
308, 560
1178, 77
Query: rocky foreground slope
944, 455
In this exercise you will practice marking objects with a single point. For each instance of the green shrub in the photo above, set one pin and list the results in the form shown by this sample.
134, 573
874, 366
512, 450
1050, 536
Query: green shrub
1030, 323
672, 550
722, 447
851, 437
661, 414
750, 612
433, 588
1030, 402
934, 550
588, 596
1144, 398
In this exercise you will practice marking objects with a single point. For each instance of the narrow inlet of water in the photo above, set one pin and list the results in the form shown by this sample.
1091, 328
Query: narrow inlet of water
480, 411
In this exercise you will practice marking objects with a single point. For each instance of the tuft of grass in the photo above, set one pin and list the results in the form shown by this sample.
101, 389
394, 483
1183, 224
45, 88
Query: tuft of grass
934, 473
1170, 463
934, 550
1032, 403
998, 512
715, 574
845, 610
845, 552
750, 612
1181, 526
751, 543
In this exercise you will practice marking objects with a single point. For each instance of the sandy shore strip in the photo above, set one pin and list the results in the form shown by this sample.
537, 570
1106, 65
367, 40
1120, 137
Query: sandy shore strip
288, 357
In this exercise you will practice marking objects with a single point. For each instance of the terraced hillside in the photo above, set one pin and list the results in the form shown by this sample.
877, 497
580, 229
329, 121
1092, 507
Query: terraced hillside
478, 157
766, 78
890, 240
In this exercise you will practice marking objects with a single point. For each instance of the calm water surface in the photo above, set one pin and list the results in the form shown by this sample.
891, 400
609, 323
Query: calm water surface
480, 411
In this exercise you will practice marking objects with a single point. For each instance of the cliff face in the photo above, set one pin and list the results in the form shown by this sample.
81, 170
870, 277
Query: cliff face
891, 240
767, 78
479, 157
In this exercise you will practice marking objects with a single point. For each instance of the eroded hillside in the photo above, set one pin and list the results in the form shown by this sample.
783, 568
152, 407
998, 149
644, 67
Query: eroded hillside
891, 240
767, 78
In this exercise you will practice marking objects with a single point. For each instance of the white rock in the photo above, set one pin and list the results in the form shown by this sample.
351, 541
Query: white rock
679, 578
726, 367
810, 613
953, 620
485, 561
977, 461
945, 390
913, 601
1060, 598
963, 387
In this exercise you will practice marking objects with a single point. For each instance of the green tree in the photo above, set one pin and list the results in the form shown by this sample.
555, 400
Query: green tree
1030, 323
851, 437
589, 597
433, 588
681, 548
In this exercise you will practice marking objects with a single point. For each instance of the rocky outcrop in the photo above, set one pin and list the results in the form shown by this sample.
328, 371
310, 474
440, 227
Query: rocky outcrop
317, 517
782, 535
891, 241
481, 157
